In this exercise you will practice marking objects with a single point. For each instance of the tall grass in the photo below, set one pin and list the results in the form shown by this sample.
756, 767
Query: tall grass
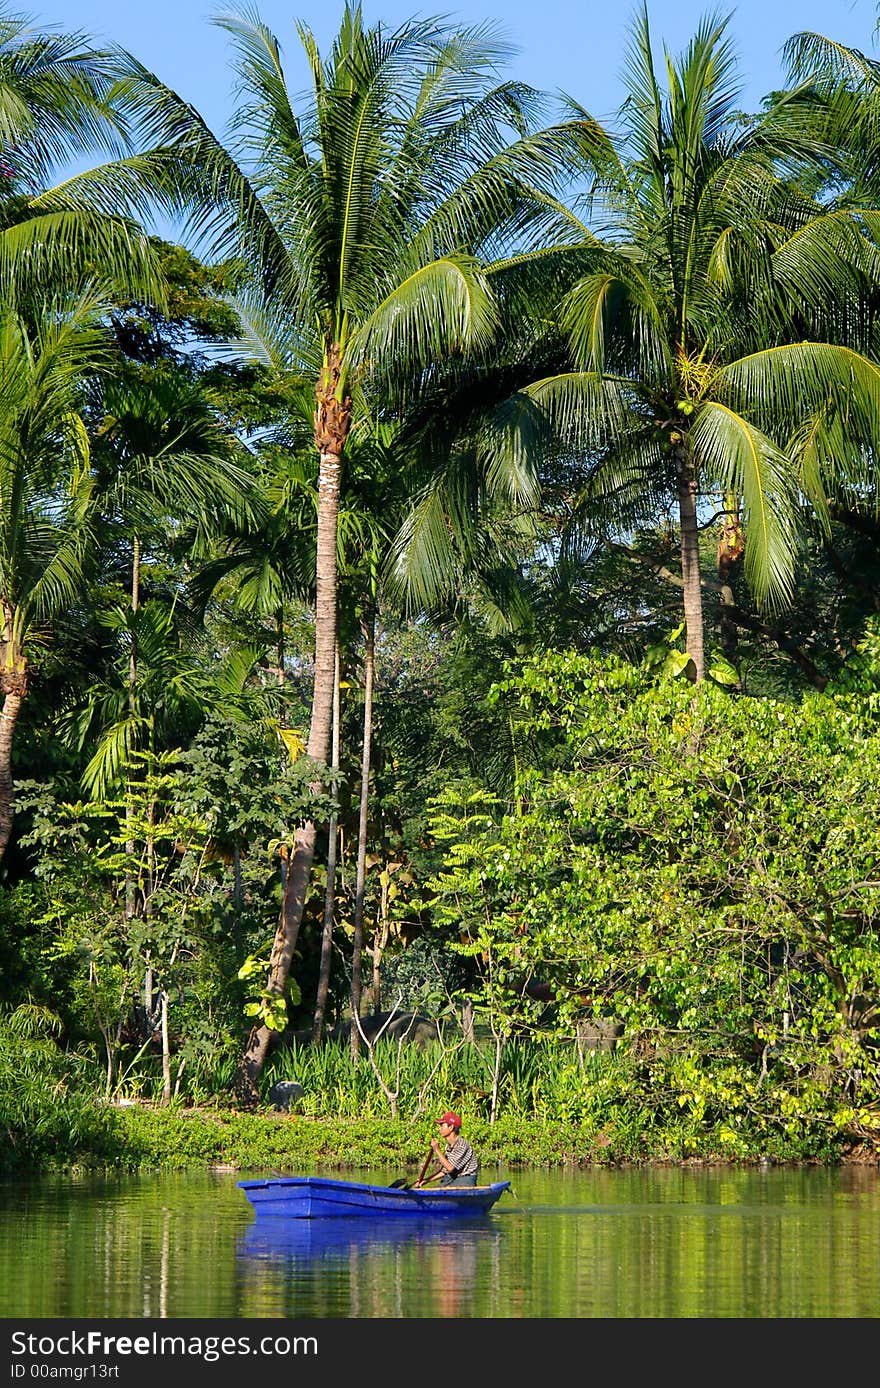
49, 1098
536, 1080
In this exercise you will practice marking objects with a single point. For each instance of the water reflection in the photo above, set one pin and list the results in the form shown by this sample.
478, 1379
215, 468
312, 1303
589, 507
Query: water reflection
366, 1267
599, 1243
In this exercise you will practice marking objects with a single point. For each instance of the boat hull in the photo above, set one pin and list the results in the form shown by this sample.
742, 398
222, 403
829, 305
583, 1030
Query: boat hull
316, 1197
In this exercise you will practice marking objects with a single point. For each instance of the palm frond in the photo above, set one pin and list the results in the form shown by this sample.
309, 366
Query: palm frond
811, 57
790, 383
836, 253
748, 463
264, 114
51, 249
643, 106
586, 407
54, 98
510, 446
439, 308
113, 754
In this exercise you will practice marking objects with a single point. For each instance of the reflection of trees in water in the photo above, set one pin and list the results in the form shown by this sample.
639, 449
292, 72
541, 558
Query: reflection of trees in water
667, 1242
161, 1310
455, 1275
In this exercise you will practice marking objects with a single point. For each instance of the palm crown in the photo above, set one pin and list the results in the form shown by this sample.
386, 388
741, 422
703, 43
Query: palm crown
697, 330
56, 105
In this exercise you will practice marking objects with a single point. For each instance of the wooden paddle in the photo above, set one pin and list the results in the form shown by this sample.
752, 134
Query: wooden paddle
403, 1184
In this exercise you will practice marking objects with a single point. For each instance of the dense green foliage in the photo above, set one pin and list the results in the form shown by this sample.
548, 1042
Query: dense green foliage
562, 1111
700, 869
632, 893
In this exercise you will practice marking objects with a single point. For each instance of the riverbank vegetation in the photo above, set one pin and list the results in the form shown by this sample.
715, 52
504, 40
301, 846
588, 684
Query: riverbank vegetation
440, 656
562, 1113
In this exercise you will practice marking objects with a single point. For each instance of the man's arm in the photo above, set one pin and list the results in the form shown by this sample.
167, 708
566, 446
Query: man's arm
444, 1163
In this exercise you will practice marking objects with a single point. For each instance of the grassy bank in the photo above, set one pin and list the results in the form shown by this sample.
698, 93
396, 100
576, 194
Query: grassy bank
555, 1113
146, 1137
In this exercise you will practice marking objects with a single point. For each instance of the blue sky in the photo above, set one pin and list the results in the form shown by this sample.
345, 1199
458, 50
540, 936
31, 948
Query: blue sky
563, 44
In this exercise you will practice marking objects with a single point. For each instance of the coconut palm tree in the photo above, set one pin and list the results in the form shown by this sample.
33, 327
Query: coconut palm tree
55, 107
717, 336
46, 492
847, 85
363, 220
161, 460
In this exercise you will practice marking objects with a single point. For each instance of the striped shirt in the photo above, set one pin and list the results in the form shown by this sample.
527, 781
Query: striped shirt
463, 1157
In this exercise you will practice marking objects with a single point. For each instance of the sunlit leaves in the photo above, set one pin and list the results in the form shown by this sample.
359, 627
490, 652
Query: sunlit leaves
751, 465
700, 868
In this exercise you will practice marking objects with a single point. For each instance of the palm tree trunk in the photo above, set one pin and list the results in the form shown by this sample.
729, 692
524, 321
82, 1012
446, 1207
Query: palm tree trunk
360, 879
279, 643
237, 890
330, 892
8, 719
166, 1052
332, 422
690, 561
731, 547
14, 687
380, 944
130, 903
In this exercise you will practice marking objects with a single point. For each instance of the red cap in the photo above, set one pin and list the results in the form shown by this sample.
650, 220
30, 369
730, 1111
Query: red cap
452, 1118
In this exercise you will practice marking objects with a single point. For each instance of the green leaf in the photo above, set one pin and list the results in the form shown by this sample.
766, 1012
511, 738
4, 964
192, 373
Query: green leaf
723, 672
676, 663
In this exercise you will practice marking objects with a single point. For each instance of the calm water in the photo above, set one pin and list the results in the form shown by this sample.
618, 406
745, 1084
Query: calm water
667, 1243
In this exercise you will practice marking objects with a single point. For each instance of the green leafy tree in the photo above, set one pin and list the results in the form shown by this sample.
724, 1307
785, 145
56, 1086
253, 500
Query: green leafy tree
89, 845
698, 870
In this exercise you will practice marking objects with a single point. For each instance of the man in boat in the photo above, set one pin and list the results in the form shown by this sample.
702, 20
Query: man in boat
457, 1161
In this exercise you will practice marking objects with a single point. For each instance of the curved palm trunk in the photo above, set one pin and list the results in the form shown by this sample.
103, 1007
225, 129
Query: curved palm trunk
690, 561
360, 880
332, 422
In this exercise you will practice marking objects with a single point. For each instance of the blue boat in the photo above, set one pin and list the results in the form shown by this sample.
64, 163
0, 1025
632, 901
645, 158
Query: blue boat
318, 1197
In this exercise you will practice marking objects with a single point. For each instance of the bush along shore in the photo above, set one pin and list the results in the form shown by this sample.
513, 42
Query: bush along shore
147, 1138
562, 1112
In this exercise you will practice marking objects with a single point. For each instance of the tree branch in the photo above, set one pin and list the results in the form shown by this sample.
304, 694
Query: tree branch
784, 642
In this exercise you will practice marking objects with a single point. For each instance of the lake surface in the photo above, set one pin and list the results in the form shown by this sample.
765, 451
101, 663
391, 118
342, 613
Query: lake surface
667, 1243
